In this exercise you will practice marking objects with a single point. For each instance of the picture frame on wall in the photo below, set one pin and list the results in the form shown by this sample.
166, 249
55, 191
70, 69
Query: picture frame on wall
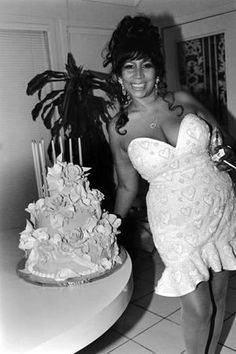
200, 57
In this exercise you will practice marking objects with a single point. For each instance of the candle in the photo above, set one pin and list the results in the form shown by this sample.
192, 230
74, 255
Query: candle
39, 170
61, 146
80, 152
70, 150
35, 168
54, 158
43, 166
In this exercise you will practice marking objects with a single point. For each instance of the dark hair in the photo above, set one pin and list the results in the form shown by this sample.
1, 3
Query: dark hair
135, 38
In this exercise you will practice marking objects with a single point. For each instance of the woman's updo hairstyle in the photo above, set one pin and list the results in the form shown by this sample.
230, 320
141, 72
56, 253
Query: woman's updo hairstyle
134, 38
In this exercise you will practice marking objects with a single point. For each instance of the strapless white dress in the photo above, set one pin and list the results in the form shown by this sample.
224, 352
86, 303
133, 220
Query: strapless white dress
191, 207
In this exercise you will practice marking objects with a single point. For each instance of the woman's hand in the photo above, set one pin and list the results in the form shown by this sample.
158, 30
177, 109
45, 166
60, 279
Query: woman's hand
224, 158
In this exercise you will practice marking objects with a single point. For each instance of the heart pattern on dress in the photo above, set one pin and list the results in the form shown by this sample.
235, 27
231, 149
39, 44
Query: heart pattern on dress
165, 153
189, 174
189, 193
197, 223
186, 211
208, 198
191, 207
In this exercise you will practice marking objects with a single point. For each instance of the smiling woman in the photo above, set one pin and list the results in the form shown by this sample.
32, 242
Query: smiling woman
138, 77
165, 137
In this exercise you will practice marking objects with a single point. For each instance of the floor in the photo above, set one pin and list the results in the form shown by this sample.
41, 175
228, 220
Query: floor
151, 323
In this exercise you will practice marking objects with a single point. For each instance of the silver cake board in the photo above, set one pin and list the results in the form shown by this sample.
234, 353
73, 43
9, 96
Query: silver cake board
43, 281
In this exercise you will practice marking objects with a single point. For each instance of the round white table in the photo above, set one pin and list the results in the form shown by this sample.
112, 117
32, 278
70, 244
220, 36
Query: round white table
37, 319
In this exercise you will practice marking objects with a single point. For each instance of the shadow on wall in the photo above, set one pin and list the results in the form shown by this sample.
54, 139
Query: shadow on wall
22, 192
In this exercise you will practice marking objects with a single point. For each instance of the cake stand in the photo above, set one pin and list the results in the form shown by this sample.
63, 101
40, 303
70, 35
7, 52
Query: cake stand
42, 319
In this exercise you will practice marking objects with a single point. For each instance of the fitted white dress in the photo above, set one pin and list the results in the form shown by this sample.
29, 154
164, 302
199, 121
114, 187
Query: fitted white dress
191, 207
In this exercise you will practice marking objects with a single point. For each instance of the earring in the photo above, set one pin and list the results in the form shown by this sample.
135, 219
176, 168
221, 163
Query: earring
124, 92
126, 96
156, 85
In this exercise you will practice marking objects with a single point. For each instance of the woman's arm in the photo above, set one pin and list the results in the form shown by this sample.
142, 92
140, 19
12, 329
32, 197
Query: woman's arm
228, 142
190, 103
127, 176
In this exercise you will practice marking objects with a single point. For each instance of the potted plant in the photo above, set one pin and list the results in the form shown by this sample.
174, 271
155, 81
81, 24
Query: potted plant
73, 106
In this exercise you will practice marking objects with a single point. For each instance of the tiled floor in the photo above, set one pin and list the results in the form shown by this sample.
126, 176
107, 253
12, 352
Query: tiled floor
151, 323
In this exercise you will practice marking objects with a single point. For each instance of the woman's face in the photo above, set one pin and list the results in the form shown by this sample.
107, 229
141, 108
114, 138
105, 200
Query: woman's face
139, 77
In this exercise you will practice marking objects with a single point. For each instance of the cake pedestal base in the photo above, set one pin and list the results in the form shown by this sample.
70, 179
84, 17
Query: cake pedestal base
36, 319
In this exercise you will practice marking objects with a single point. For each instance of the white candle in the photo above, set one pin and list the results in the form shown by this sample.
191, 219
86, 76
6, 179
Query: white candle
39, 170
43, 167
80, 152
61, 146
54, 158
35, 167
70, 150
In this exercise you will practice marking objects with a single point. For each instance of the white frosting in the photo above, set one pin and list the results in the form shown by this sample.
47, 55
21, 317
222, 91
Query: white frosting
68, 235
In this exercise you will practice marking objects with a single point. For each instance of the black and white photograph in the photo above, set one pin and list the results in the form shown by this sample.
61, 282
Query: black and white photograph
118, 176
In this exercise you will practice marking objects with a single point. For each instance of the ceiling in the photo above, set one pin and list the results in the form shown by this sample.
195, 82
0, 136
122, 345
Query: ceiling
118, 2
180, 10
162, 3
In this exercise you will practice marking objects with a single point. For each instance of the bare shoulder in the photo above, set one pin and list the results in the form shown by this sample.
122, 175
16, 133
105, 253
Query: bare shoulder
121, 159
116, 139
112, 131
117, 132
112, 124
192, 105
185, 98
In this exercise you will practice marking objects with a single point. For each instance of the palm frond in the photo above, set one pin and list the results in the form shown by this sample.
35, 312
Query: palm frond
39, 106
40, 80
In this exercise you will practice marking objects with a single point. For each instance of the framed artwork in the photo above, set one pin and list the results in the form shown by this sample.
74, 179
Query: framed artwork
201, 67
200, 57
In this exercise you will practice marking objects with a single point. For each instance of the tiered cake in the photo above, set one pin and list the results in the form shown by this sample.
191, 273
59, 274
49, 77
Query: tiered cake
68, 235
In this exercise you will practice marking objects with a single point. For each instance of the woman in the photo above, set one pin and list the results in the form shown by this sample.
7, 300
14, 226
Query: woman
165, 137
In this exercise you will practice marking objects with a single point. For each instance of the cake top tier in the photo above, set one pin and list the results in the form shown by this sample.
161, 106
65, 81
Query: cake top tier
71, 213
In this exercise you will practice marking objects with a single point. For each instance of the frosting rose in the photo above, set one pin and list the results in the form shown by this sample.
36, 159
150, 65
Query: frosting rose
73, 173
75, 238
34, 208
59, 204
54, 178
30, 236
